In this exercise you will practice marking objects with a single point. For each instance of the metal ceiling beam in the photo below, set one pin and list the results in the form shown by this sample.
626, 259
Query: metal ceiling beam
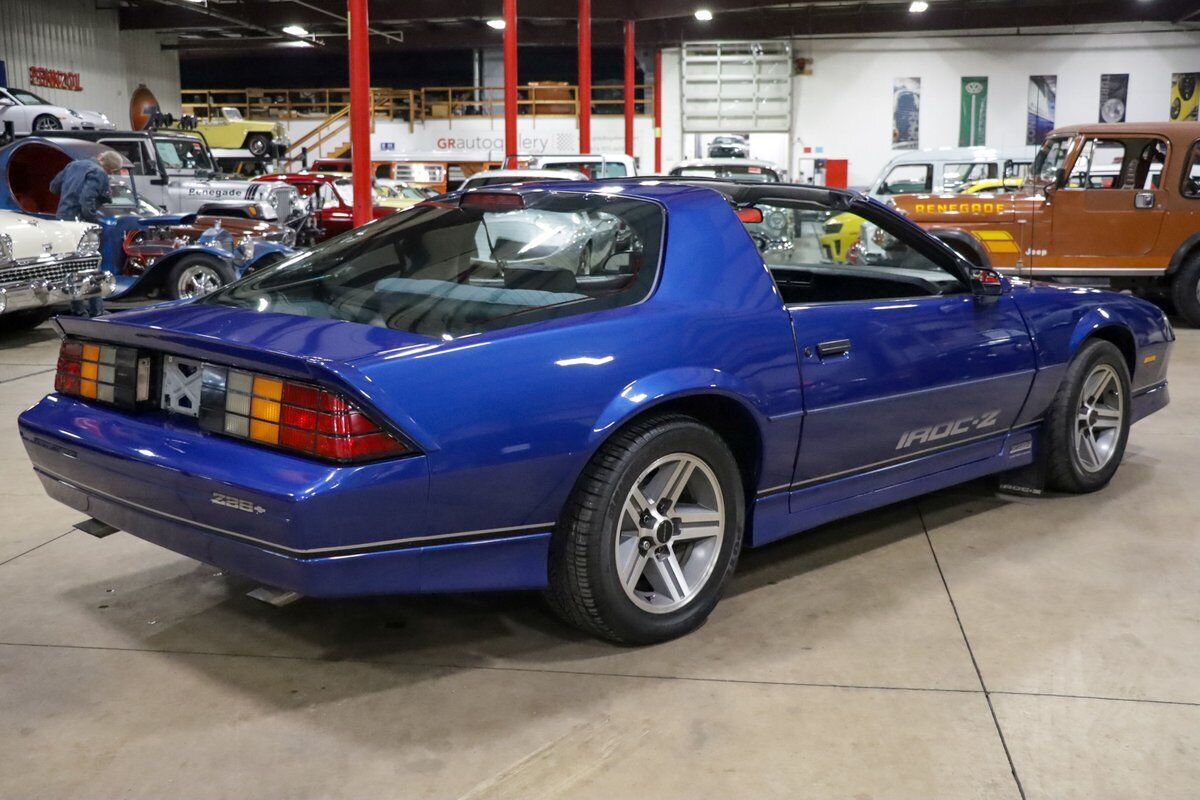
772, 21
233, 19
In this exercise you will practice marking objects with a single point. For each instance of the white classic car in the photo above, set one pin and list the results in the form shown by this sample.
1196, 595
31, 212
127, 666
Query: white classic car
45, 263
29, 114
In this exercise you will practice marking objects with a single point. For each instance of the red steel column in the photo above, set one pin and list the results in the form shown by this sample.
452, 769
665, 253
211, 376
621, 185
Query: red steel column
629, 87
584, 95
658, 111
511, 144
360, 111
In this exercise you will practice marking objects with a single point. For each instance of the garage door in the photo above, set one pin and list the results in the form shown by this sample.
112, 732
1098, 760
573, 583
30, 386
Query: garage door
737, 86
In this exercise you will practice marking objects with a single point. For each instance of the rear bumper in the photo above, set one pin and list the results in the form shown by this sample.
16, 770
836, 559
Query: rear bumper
317, 529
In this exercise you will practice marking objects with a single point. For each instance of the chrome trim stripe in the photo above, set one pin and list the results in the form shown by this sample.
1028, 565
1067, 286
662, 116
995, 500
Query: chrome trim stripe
346, 549
1083, 272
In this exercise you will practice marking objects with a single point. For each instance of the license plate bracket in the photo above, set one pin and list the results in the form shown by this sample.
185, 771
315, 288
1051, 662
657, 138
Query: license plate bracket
181, 383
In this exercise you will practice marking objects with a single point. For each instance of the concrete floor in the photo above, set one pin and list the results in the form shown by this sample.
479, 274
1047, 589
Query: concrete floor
961, 646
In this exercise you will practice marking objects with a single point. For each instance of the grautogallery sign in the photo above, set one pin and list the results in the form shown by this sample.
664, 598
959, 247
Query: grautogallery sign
483, 140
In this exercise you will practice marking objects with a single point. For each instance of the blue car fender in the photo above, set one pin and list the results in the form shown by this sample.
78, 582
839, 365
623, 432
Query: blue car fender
157, 272
663, 387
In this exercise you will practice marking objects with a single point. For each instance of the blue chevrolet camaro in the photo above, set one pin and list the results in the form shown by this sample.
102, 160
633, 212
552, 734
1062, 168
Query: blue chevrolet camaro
441, 401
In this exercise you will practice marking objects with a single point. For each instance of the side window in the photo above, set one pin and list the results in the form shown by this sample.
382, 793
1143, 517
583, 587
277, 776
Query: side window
1101, 165
131, 149
818, 257
1191, 173
1016, 169
956, 176
1147, 171
908, 179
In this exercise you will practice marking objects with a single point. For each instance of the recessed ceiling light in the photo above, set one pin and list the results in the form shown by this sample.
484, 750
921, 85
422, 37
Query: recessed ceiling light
703, 14
918, 6
295, 30
496, 24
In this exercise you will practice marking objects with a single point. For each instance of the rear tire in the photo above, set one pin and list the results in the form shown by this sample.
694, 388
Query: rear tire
1088, 422
638, 569
1185, 291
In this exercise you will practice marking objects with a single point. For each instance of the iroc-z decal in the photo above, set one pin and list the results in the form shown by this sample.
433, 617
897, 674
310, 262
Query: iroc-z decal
944, 430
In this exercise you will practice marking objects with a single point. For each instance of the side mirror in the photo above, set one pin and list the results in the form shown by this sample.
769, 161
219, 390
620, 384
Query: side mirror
986, 282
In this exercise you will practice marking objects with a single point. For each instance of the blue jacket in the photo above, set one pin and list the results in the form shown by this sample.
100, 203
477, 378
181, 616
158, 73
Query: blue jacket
81, 186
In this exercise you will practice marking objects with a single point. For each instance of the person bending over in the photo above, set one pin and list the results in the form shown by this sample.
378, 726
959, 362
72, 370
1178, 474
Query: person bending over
82, 187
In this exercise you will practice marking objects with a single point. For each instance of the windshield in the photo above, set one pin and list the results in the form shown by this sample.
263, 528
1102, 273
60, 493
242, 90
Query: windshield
27, 98
593, 169
231, 114
739, 173
441, 270
124, 200
1049, 162
183, 155
499, 180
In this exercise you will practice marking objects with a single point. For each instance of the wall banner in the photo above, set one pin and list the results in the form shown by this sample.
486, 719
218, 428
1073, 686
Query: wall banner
1039, 114
972, 123
906, 113
1184, 102
1114, 89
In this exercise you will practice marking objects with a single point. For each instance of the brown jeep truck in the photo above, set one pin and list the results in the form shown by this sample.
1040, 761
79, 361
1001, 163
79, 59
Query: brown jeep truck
1120, 202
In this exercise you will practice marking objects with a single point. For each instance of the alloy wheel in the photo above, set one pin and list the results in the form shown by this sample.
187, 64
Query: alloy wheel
198, 280
1099, 418
669, 533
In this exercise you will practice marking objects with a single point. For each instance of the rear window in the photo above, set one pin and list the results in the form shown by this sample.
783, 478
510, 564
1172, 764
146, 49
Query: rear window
440, 270
738, 174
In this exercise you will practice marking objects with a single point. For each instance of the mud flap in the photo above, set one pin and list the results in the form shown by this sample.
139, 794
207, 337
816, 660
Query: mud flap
1026, 481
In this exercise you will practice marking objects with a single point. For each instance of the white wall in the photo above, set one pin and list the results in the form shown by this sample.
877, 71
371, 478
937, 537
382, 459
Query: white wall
845, 105
73, 36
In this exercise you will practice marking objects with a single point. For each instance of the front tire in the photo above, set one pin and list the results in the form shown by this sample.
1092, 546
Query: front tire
47, 122
1185, 291
258, 144
196, 276
1088, 423
651, 533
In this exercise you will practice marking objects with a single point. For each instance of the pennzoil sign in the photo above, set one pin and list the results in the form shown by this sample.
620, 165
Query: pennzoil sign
55, 79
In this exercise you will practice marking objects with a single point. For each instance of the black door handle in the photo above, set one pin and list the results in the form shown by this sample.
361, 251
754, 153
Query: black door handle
834, 347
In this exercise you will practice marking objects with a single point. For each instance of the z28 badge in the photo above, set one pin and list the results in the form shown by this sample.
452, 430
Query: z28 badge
944, 430
237, 503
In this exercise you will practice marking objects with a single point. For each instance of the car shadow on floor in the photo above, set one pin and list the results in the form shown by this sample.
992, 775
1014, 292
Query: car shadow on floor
183, 608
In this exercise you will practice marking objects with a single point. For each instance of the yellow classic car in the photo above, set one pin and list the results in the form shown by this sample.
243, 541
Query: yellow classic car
390, 194
225, 128
838, 235
992, 185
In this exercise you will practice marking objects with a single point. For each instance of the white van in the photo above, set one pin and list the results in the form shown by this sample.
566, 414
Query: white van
948, 169
594, 166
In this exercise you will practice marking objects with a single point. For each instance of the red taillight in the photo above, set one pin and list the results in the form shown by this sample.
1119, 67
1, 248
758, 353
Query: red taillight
102, 372
492, 201
291, 415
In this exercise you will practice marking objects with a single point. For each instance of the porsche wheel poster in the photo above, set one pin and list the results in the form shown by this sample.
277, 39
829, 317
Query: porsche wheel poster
1114, 89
